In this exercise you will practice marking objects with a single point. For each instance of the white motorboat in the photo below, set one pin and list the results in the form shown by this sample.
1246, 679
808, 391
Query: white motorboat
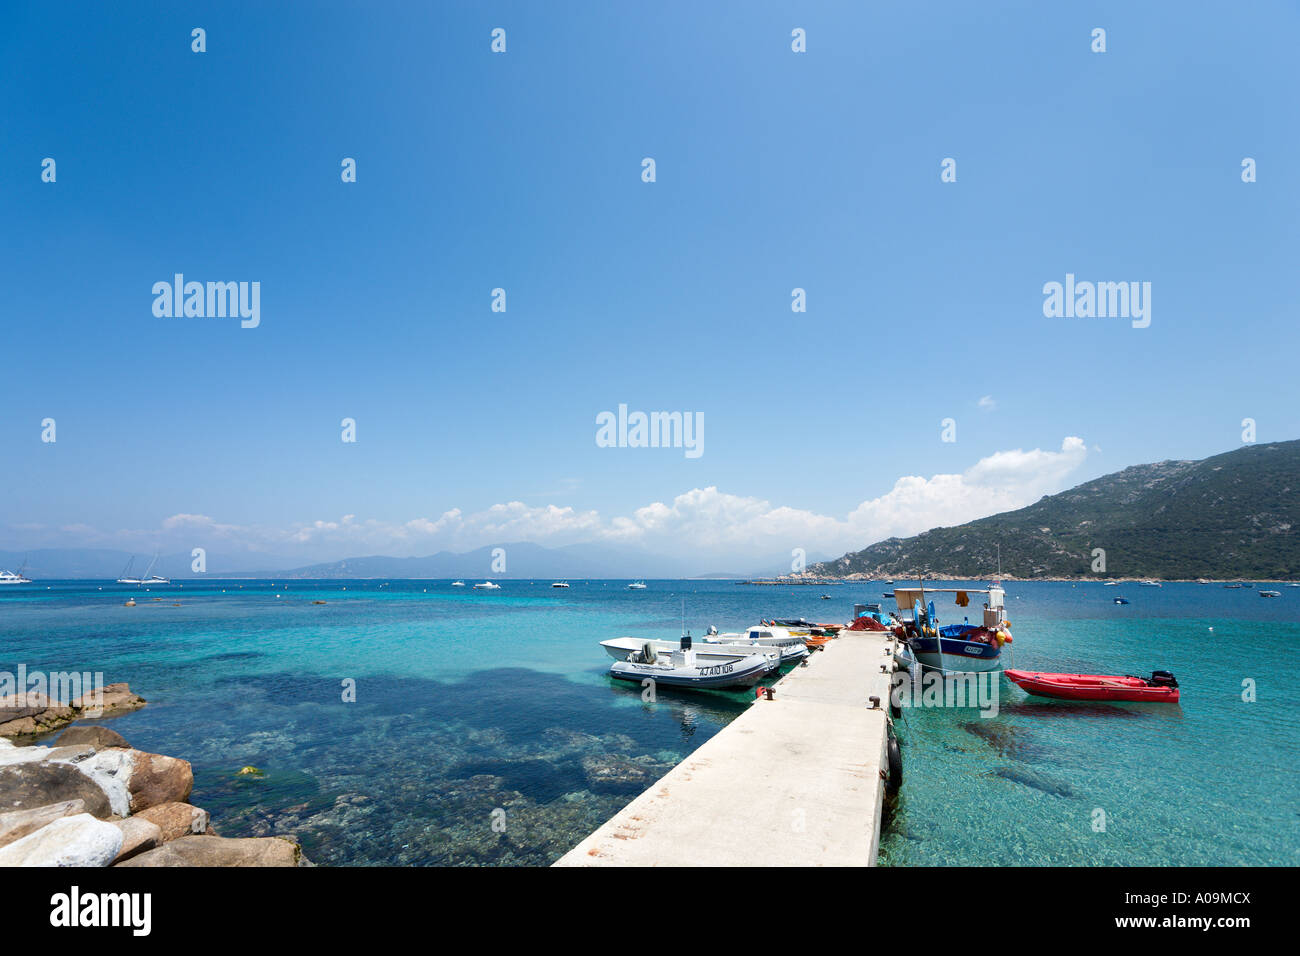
1148, 584
1270, 593
487, 586
636, 586
791, 646
764, 635
1111, 584
560, 584
458, 584
620, 648
684, 667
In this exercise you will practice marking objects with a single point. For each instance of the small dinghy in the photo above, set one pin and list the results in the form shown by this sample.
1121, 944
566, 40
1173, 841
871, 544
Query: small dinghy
681, 668
1160, 687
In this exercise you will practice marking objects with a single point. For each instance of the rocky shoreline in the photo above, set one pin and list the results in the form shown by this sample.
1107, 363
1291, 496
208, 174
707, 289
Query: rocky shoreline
91, 799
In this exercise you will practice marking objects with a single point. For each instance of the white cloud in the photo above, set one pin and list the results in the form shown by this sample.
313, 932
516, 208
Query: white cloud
987, 403
708, 522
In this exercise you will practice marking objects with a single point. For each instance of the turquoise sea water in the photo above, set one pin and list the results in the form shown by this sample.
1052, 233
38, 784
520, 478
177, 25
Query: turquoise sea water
472, 702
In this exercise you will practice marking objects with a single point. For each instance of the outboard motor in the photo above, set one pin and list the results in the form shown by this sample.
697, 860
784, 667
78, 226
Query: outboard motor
1162, 679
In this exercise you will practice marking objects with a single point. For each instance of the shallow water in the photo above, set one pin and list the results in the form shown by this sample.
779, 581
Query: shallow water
482, 708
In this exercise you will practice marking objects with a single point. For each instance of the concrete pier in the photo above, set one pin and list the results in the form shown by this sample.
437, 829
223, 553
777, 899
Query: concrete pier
794, 781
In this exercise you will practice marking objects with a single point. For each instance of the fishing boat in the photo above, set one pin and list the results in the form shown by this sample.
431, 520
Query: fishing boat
961, 648
1270, 593
458, 584
684, 668
636, 586
560, 584
1159, 687
487, 586
620, 648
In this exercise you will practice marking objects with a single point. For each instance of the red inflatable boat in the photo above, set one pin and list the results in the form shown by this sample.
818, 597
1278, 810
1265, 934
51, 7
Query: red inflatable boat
1160, 687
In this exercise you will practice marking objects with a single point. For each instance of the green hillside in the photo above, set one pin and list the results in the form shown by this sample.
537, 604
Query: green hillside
1235, 515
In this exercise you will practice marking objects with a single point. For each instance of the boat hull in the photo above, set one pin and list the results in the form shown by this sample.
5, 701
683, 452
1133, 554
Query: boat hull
620, 647
1091, 687
959, 655
745, 672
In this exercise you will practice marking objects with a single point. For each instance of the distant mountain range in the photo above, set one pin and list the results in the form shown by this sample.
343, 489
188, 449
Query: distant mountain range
1236, 515
522, 560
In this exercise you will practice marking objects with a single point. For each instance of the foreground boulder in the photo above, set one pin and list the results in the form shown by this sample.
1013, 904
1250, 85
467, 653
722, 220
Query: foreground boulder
156, 779
32, 784
176, 819
16, 824
79, 840
138, 835
220, 851
115, 780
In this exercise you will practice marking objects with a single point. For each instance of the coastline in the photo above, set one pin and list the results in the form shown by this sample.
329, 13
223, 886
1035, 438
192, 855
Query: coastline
88, 798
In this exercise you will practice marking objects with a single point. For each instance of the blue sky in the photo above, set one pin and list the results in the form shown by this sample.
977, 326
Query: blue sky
522, 170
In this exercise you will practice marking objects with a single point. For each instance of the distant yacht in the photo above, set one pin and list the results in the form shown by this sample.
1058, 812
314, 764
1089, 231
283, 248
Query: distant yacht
1148, 584
487, 586
458, 584
636, 586
146, 579
1111, 584
9, 577
126, 573
560, 584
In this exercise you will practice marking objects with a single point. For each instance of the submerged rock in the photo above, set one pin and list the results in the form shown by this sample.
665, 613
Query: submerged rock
612, 772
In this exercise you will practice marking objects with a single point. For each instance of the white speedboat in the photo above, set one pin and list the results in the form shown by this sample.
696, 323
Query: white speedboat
458, 584
1270, 593
636, 586
1111, 584
1148, 584
763, 635
560, 584
487, 586
9, 577
621, 648
684, 667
